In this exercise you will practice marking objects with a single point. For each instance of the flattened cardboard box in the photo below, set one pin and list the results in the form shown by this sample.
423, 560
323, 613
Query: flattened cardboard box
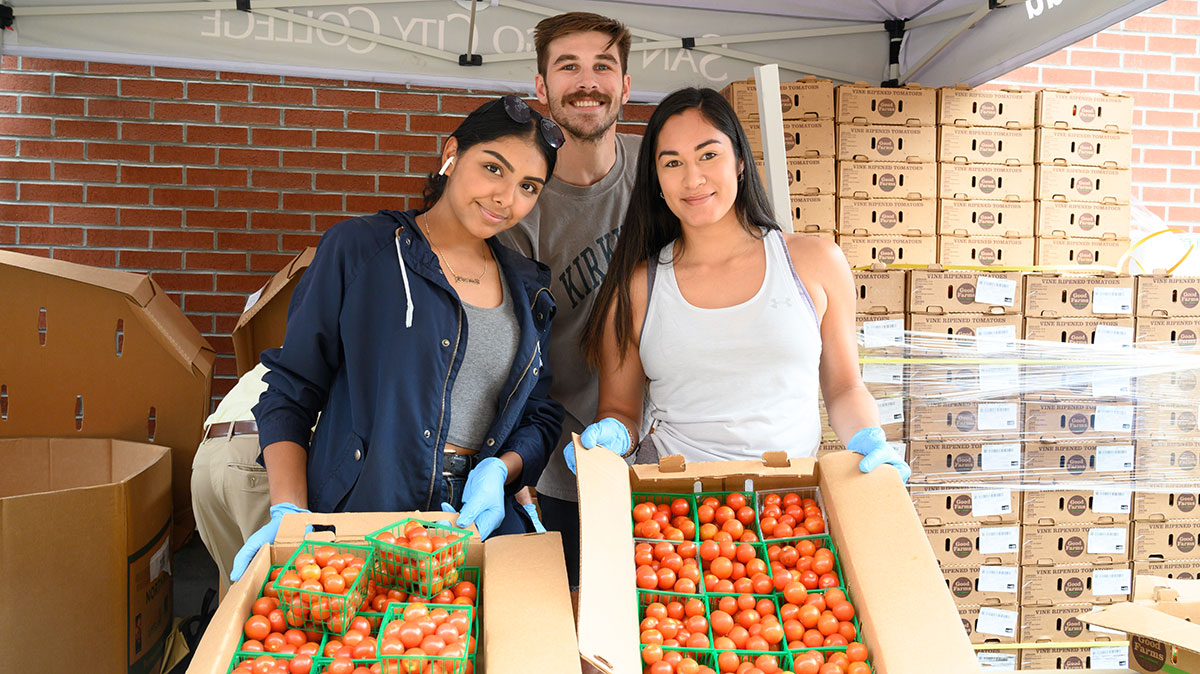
524, 581
985, 251
807, 175
966, 587
953, 292
814, 212
1083, 183
1081, 147
1066, 109
975, 544
887, 217
1152, 506
1057, 296
939, 461
1046, 507
1174, 332
1058, 252
937, 506
1078, 420
1161, 624
1079, 330
1167, 455
864, 251
859, 103
99, 353
963, 217
986, 181
807, 97
1089, 461
977, 333
880, 143
887, 180
94, 514
879, 292
876, 545
991, 624
966, 421
1169, 420
985, 145
1106, 658
1168, 296
264, 322
1183, 570
1074, 544
1075, 583
1082, 220
1061, 623
801, 137
1010, 108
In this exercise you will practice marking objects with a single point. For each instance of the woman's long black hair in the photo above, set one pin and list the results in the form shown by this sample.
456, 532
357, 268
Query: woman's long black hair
486, 123
649, 223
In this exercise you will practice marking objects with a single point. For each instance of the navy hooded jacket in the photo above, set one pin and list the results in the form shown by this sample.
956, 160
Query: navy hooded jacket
375, 337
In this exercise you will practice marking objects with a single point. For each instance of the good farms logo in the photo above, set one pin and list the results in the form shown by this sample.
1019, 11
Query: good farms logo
1186, 503
885, 146
1078, 423
1084, 186
887, 182
965, 331
886, 107
1087, 221
1077, 505
1073, 587
985, 219
1076, 464
1078, 337
1185, 542
964, 462
1087, 113
1080, 298
987, 110
1187, 459
1074, 546
785, 102
964, 421
887, 255
962, 587
1072, 627
1186, 337
888, 219
965, 293
1189, 297
1086, 150
962, 547
962, 505
1150, 654
988, 184
987, 148
987, 256
1085, 256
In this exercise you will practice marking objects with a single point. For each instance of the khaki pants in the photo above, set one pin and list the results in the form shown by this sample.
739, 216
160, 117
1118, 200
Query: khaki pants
230, 496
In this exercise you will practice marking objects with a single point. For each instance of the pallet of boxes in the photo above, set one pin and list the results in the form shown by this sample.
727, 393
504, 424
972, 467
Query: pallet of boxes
807, 106
887, 174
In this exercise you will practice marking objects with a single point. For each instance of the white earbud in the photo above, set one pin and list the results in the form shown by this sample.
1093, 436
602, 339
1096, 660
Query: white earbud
442, 171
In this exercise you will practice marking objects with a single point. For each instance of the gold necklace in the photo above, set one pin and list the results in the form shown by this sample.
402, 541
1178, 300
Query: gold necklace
457, 278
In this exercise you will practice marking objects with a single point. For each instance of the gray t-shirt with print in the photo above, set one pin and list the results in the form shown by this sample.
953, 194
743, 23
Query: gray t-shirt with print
573, 230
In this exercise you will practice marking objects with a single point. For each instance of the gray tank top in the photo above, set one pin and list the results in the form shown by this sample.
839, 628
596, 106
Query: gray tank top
492, 336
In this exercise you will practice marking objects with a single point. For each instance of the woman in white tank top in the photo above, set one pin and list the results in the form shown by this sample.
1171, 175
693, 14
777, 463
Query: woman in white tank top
722, 325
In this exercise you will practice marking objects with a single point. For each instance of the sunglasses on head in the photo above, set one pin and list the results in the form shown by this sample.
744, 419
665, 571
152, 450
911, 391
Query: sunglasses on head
520, 112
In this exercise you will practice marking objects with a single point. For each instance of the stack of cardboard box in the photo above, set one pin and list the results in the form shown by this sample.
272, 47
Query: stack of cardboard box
985, 161
807, 106
887, 174
1084, 151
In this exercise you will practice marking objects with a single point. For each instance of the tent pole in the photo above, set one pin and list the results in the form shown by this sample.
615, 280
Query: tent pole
770, 115
895, 29
963, 27
471, 58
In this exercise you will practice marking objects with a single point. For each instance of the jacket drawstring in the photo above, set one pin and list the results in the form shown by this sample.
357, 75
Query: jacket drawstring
408, 312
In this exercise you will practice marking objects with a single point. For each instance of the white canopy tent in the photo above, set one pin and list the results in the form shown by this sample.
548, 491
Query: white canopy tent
488, 44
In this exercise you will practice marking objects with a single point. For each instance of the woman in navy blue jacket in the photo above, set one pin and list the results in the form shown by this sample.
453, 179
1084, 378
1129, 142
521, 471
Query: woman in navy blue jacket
420, 341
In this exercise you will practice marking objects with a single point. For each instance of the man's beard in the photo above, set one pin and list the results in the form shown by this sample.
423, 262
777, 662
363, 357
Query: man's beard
559, 113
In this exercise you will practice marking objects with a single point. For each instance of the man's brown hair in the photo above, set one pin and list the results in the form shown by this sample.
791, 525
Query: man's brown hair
554, 27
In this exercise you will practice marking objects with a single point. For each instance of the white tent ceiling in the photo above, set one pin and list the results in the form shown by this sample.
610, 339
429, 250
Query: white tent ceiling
420, 41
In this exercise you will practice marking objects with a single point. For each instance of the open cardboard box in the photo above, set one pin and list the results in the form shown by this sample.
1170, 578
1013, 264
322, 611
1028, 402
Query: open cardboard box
100, 353
263, 322
909, 620
526, 603
1161, 622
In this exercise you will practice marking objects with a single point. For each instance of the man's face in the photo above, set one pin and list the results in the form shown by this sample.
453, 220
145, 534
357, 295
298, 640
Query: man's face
583, 85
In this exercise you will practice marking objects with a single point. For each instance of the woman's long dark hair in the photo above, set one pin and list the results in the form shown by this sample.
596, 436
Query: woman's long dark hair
486, 123
649, 223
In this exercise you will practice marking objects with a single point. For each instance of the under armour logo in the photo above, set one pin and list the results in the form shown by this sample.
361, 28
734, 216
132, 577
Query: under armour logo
776, 303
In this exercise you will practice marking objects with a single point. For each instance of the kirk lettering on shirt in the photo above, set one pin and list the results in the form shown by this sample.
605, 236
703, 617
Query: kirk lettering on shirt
586, 272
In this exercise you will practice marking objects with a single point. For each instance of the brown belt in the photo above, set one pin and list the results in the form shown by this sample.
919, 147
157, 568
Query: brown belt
238, 428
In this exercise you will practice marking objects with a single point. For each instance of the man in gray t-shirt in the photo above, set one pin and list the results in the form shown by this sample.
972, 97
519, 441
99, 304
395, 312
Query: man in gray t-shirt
582, 59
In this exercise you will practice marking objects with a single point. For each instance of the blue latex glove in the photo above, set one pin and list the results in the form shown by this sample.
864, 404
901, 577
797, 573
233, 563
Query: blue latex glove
537, 523
264, 536
872, 444
607, 432
483, 497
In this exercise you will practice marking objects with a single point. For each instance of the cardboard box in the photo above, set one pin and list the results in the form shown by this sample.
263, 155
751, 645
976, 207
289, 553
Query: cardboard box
801, 137
992, 182
983, 585
811, 230
1046, 507
1078, 583
891, 418
1012, 108
1054, 295
807, 175
1083, 183
1082, 219
875, 544
1050, 380
864, 251
879, 292
1180, 385
524, 580
973, 544
99, 353
264, 321
1168, 332
1168, 296
887, 217
1066, 109
93, 510
1069, 461
951, 292
880, 334
860, 103
964, 217
1080, 147
1109, 659
814, 212
887, 180
1165, 506
1061, 252
1062, 623
952, 461
941, 505
1161, 624
1077, 420
1183, 570
1074, 544
985, 145
884, 143
969, 333
976, 420
1170, 452
1091, 330
991, 624
827, 448
985, 251
807, 97
956, 378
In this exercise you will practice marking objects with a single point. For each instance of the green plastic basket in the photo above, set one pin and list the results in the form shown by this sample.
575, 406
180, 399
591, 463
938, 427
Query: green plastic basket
720, 496
262, 593
713, 599
822, 541
804, 492
664, 498
313, 610
760, 552
647, 597
240, 657
703, 656
782, 657
320, 665
412, 664
419, 573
